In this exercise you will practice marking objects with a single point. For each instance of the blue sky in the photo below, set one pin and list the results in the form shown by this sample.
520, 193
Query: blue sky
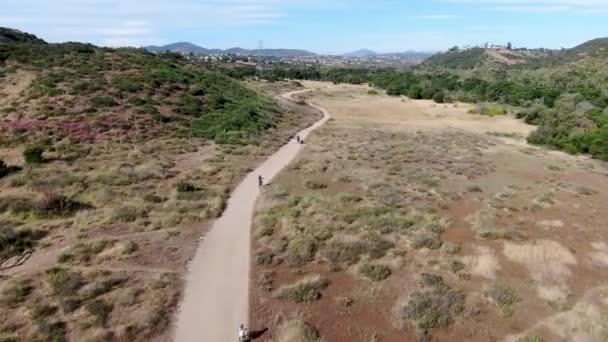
325, 26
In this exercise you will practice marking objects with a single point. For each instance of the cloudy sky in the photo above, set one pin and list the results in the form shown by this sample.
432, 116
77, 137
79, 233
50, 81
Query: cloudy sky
326, 26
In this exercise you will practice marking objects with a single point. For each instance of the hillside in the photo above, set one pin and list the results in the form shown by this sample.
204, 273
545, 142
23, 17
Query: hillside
8, 35
184, 47
113, 163
476, 57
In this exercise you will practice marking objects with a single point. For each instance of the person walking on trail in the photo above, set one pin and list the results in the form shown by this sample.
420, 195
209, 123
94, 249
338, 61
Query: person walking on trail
298, 138
260, 181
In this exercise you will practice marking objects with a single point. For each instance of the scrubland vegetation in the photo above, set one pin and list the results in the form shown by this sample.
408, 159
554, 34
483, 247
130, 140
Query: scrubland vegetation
112, 164
566, 96
406, 220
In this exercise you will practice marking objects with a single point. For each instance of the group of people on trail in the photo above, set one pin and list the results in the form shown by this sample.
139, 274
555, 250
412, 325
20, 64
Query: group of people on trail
298, 140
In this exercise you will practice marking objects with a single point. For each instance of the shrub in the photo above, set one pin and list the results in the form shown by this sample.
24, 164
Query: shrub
15, 294
372, 92
504, 297
314, 185
306, 290
297, 330
153, 198
435, 306
128, 213
100, 310
103, 101
439, 97
375, 272
3, 168
41, 312
14, 243
64, 282
183, 186
301, 250
33, 155
265, 281
58, 205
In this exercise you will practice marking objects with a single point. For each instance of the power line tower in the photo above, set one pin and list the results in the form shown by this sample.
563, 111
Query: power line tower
259, 61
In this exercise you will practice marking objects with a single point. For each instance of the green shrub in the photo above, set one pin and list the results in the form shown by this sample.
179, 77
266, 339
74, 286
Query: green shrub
55, 204
42, 312
435, 306
3, 168
372, 92
17, 242
15, 294
33, 155
64, 282
183, 186
100, 310
306, 290
504, 297
375, 272
439, 97
301, 250
128, 213
103, 101
296, 330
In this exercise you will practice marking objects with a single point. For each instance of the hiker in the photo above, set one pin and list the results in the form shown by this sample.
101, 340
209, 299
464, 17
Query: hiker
243, 334
298, 139
260, 181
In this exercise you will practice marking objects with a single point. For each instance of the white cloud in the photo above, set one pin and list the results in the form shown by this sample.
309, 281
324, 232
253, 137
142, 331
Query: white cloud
542, 6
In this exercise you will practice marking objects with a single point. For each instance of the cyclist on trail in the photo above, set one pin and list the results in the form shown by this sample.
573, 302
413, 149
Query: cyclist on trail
243, 334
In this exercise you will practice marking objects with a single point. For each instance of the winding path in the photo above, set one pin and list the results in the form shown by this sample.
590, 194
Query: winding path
216, 298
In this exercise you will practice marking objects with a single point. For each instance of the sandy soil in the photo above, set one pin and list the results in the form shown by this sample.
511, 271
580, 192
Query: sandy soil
216, 295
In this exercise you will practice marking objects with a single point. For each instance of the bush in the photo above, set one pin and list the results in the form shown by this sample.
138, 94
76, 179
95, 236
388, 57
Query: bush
3, 169
183, 186
58, 205
375, 272
297, 330
14, 243
103, 101
439, 97
33, 155
100, 310
306, 290
15, 294
64, 282
372, 92
435, 306
301, 250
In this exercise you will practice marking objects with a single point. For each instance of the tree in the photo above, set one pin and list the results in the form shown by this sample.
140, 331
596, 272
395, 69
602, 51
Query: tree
509, 46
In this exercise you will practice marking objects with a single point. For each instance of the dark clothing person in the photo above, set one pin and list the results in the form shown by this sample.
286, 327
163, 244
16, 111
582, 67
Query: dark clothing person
260, 181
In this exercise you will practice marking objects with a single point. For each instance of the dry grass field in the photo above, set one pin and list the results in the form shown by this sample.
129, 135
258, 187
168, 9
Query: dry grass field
95, 239
410, 220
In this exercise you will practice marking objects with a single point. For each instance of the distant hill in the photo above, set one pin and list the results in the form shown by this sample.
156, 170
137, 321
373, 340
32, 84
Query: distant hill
182, 47
8, 35
475, 57
185, 47
593, 48
361, 53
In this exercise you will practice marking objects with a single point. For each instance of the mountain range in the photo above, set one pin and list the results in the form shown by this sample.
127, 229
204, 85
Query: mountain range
185, 47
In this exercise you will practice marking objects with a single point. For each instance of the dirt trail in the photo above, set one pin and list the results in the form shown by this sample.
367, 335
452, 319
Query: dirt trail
216, 297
